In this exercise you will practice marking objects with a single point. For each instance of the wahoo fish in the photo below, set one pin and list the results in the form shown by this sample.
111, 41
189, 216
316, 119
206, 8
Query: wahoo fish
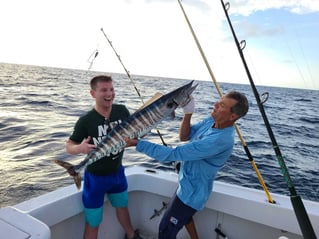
136, 126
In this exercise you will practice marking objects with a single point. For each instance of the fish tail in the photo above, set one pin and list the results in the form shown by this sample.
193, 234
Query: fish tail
71, 170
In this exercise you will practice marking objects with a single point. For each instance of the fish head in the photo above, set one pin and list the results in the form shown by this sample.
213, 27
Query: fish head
181, 96
166, 104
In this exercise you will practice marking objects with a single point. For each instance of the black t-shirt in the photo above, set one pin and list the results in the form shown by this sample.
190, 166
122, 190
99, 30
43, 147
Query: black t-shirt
95, 125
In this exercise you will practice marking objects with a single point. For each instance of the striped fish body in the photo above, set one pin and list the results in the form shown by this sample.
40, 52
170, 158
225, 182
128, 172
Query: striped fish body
137, 125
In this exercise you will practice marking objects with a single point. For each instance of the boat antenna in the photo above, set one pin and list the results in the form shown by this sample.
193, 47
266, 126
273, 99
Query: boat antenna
300, 211
131, 79
260, 178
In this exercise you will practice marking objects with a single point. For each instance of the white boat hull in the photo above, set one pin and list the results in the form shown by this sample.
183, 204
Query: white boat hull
240, 213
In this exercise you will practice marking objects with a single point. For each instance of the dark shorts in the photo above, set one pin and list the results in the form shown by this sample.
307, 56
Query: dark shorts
176, 216
95, 188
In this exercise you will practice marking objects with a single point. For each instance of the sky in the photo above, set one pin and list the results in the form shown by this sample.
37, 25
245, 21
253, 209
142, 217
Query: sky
152, 38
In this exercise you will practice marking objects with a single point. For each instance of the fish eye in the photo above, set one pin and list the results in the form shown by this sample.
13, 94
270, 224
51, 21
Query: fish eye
170, 104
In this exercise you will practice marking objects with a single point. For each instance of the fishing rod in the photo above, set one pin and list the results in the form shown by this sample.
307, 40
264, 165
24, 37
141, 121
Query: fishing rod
300, 211
131, 79
260, 178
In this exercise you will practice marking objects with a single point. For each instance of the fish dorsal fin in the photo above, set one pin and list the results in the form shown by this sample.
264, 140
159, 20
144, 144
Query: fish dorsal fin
155, 97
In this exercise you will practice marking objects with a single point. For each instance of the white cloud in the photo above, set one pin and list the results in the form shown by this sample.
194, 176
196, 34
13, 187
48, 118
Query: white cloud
247, 7
152, 37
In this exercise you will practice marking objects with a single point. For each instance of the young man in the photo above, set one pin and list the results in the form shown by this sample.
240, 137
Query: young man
105, 176
210, 145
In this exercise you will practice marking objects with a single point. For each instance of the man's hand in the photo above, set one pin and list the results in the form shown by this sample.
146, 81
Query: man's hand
130, 142
85, 147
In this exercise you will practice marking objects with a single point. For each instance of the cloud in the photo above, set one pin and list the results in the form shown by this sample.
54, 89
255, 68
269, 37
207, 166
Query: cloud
248, 7
203, 6
249, 28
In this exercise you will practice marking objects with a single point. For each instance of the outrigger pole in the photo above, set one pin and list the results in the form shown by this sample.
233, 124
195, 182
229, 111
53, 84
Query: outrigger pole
260, 178
300, 211
131, 79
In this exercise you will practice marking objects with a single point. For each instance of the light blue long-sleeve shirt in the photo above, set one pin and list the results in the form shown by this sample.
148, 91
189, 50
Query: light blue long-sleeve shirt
201, 158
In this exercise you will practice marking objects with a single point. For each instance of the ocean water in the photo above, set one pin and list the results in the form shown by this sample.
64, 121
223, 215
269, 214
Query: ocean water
39, 106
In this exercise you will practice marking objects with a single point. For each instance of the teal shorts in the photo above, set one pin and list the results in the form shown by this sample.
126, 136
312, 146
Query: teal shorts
94, 216
94, 190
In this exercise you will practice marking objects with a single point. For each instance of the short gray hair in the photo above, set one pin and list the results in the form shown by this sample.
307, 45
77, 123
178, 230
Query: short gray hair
242, 106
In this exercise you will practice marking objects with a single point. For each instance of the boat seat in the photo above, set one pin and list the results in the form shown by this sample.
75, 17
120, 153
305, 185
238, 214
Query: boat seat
20, 225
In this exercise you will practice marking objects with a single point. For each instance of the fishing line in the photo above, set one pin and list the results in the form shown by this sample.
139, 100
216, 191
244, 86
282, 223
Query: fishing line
131, 79
288, 46
302, 54
261, 181
300, 211
254, 68
298, 69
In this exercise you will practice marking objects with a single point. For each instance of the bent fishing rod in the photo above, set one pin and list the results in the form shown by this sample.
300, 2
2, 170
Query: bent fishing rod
131, 79
300, 211
260, 178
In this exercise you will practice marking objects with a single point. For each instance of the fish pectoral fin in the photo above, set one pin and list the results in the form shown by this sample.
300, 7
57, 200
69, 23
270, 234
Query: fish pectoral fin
150, 101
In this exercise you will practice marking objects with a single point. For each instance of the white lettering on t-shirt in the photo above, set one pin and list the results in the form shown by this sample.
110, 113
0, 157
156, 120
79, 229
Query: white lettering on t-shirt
103, 131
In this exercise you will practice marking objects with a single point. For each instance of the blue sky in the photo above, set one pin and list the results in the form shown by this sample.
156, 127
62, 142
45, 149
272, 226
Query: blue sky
289, 40
152, 38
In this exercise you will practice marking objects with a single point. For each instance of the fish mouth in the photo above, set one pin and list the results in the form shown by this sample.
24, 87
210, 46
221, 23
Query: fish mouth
187, 94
